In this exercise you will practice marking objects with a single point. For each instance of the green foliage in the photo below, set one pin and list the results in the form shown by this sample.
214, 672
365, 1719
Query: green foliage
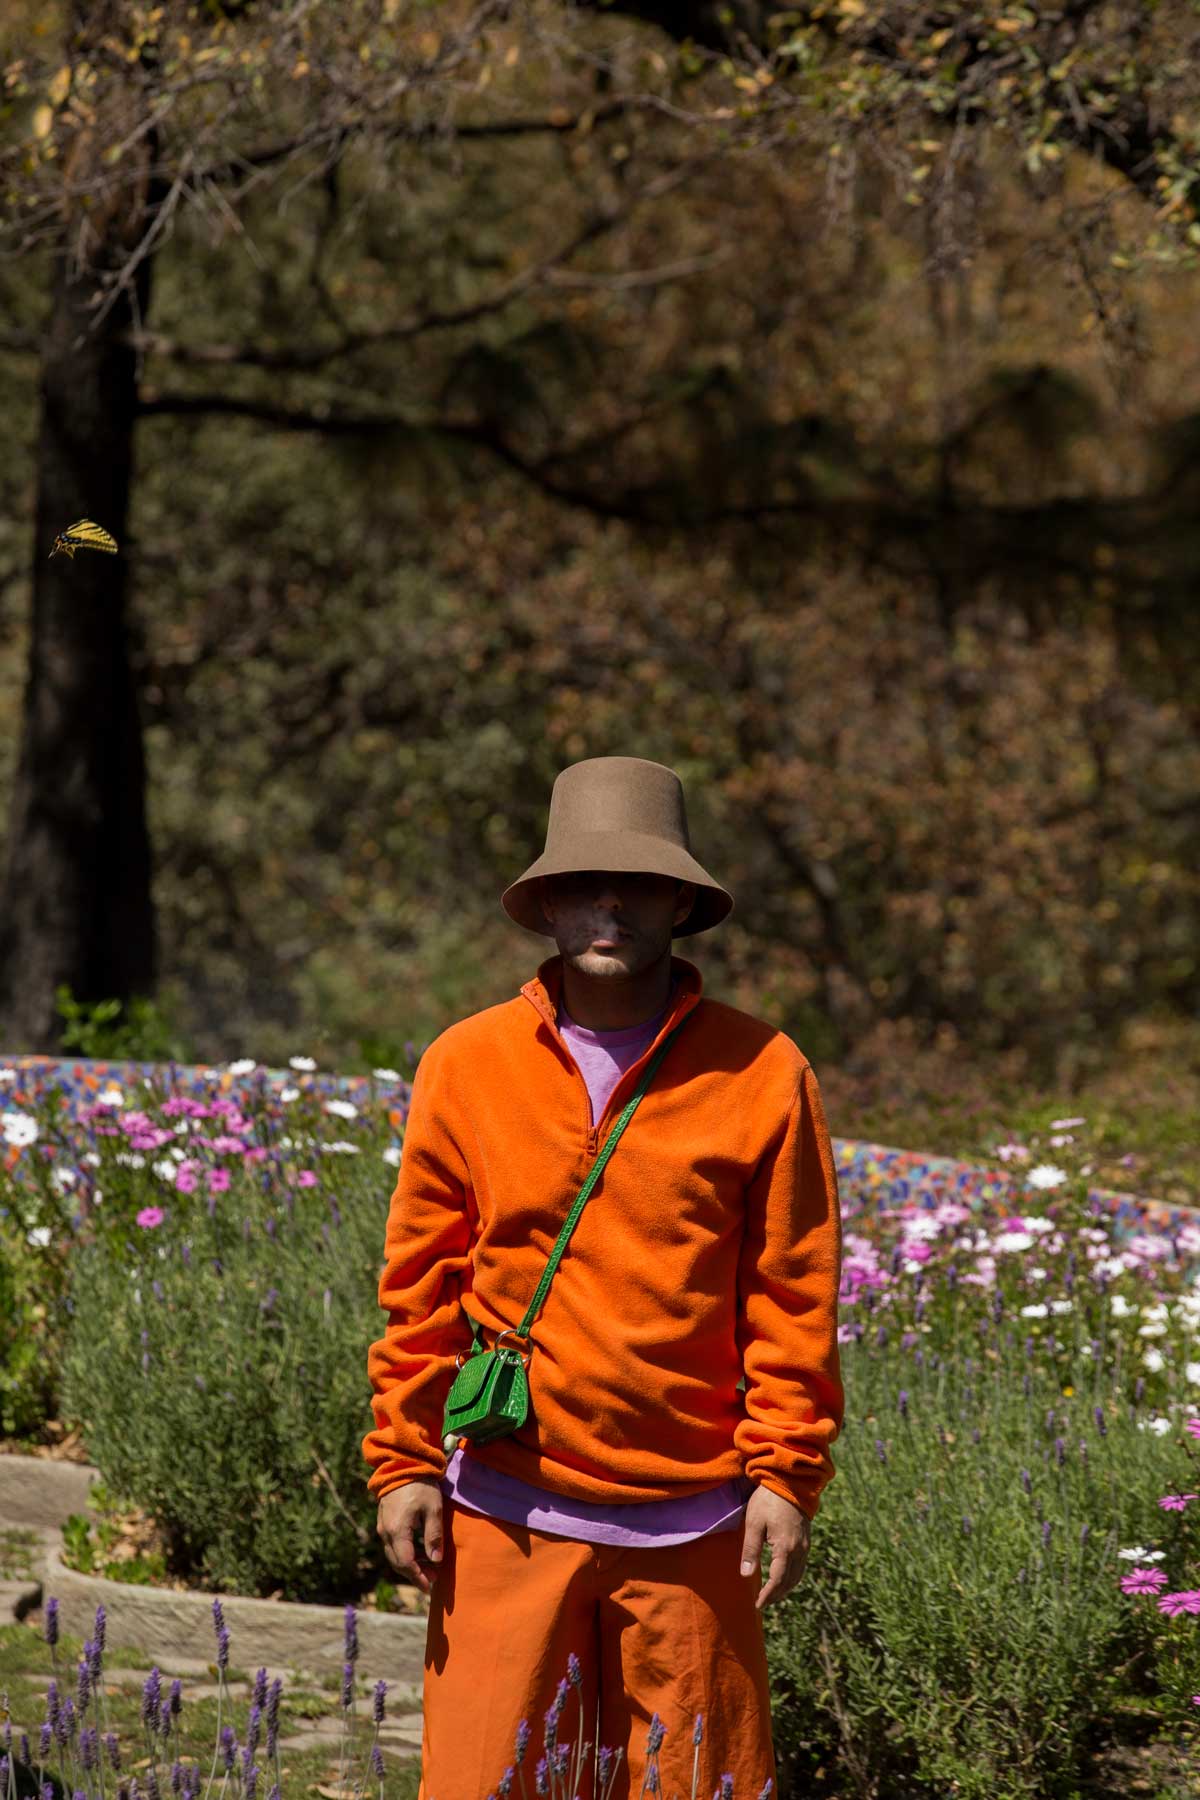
89, 1539
32, 1284
956, 1631
140, 1031
218, 1363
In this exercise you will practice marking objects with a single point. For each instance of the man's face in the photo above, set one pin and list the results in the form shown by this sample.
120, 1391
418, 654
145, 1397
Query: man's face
635, 909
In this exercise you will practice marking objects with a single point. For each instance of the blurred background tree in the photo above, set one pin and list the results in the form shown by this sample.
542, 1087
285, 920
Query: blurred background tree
806, 399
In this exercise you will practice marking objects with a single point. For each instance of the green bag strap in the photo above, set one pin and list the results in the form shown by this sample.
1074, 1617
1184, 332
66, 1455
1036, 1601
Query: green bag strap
610, 1143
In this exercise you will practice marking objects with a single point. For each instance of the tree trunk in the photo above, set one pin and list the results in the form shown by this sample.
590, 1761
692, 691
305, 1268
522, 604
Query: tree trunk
76, 904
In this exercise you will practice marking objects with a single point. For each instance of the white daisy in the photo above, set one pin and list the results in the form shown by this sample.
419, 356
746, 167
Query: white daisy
19, 1128
1046, 1176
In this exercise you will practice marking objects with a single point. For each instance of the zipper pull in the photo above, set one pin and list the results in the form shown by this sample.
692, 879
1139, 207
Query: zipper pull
593, 1139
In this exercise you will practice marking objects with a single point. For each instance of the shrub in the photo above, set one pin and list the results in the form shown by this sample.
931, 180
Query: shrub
221, 1308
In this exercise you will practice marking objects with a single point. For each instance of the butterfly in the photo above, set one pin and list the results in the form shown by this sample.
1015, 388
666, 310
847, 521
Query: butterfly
83, 535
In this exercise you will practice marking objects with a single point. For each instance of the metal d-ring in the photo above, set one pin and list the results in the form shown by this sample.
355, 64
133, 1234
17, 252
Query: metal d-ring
511, 1332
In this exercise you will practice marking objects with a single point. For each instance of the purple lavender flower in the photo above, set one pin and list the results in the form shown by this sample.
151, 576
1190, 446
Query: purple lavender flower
114, 1751
559, 1760
152, 1782
151, 1695
273, 1712
249, 1773
47, 1790
765, 1789
64, 1725
381, 1688
541, 1780
347, 1684
260, 1689
25, 1756
252, 1731
164, 1720
101, 1617
657, 1734
377, 1760
51, 1621
523, 1736
506, 1782
177, 1777
574, 1670
176, 1697
228, 1747
45, 1738
727, 1787
52, 1702
87, 1748
223, 1649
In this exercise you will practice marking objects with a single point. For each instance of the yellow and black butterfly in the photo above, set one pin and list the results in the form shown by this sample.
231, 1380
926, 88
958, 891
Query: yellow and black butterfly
83, 535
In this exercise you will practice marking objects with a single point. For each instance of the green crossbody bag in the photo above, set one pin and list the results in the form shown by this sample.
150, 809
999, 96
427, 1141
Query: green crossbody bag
490, 1394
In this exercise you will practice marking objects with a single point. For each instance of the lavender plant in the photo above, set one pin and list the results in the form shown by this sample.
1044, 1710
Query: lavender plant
75, 1745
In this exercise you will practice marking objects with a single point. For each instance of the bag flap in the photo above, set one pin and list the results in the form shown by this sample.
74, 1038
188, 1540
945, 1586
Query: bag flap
471, 1377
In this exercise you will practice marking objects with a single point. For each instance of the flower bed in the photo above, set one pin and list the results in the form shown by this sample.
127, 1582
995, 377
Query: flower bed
1002, 1566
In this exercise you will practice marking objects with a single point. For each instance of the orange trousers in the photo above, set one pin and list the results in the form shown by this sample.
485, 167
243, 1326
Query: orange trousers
671, 1630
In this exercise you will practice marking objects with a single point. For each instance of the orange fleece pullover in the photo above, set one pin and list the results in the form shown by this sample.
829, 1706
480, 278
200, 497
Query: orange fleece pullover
711, 1246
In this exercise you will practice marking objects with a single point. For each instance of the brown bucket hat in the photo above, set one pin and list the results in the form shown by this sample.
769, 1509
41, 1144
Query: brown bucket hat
624, 814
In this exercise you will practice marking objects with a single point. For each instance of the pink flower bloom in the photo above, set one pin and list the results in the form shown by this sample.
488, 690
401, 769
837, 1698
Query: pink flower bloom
1193, 1425
1142, 1581
185, 1179
1188, 1601
150, 1216
225, 1145
255, 1154
1176, 1502
218, 1180
306, 1178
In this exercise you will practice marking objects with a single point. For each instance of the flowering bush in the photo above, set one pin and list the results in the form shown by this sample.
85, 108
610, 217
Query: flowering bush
223, 1291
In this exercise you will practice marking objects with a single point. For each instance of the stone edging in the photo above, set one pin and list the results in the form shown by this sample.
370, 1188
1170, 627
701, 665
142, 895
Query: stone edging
39, 1493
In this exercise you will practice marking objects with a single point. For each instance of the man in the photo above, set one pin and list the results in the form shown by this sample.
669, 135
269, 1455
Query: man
609, 1525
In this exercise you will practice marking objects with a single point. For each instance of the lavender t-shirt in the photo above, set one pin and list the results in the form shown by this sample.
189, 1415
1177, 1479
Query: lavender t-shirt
603, 1057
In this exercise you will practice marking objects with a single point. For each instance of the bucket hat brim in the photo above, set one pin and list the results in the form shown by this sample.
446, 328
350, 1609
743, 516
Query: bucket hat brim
622, 852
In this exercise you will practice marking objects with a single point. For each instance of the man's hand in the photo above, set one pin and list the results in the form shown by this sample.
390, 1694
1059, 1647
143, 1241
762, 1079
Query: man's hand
787, 1530
408, 1515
